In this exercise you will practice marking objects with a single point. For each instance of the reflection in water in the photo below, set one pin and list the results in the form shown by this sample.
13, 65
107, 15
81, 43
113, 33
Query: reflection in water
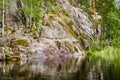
60, 69
41, 69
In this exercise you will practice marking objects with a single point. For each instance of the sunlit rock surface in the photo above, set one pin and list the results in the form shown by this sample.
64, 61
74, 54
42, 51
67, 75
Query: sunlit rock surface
66, 32
51, 48
79, 17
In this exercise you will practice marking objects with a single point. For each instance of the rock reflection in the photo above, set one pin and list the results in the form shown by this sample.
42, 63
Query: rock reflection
67, 68
41, 69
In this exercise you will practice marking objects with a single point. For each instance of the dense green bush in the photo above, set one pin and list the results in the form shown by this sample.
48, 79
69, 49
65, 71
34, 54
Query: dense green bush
33, 12
113, 25
109, 11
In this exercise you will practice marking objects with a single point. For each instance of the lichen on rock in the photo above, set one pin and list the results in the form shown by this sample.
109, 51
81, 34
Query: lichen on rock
64, 30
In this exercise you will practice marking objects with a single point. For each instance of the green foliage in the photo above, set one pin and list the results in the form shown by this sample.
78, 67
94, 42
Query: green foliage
107, 60
116, 43
52, 6
113, 25
94, 47
6, 6
33, 12
110, 13
0, 11
86, 6
109, 10
108, 53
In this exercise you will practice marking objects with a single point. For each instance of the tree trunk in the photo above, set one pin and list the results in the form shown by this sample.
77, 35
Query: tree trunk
3, 20
94, 9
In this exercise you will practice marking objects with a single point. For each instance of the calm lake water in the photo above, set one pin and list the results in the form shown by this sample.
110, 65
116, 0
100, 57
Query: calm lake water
82, 68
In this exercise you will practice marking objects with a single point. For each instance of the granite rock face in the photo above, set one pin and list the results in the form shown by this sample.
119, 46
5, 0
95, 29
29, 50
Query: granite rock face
66, 32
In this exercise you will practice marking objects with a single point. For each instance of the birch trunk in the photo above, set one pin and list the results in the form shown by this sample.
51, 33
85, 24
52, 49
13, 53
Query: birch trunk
3, 20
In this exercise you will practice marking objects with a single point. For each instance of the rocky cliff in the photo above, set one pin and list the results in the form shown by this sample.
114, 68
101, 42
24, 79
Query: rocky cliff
64, 30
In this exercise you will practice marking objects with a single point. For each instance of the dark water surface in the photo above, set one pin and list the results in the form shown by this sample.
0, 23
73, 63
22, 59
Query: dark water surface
60, 69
